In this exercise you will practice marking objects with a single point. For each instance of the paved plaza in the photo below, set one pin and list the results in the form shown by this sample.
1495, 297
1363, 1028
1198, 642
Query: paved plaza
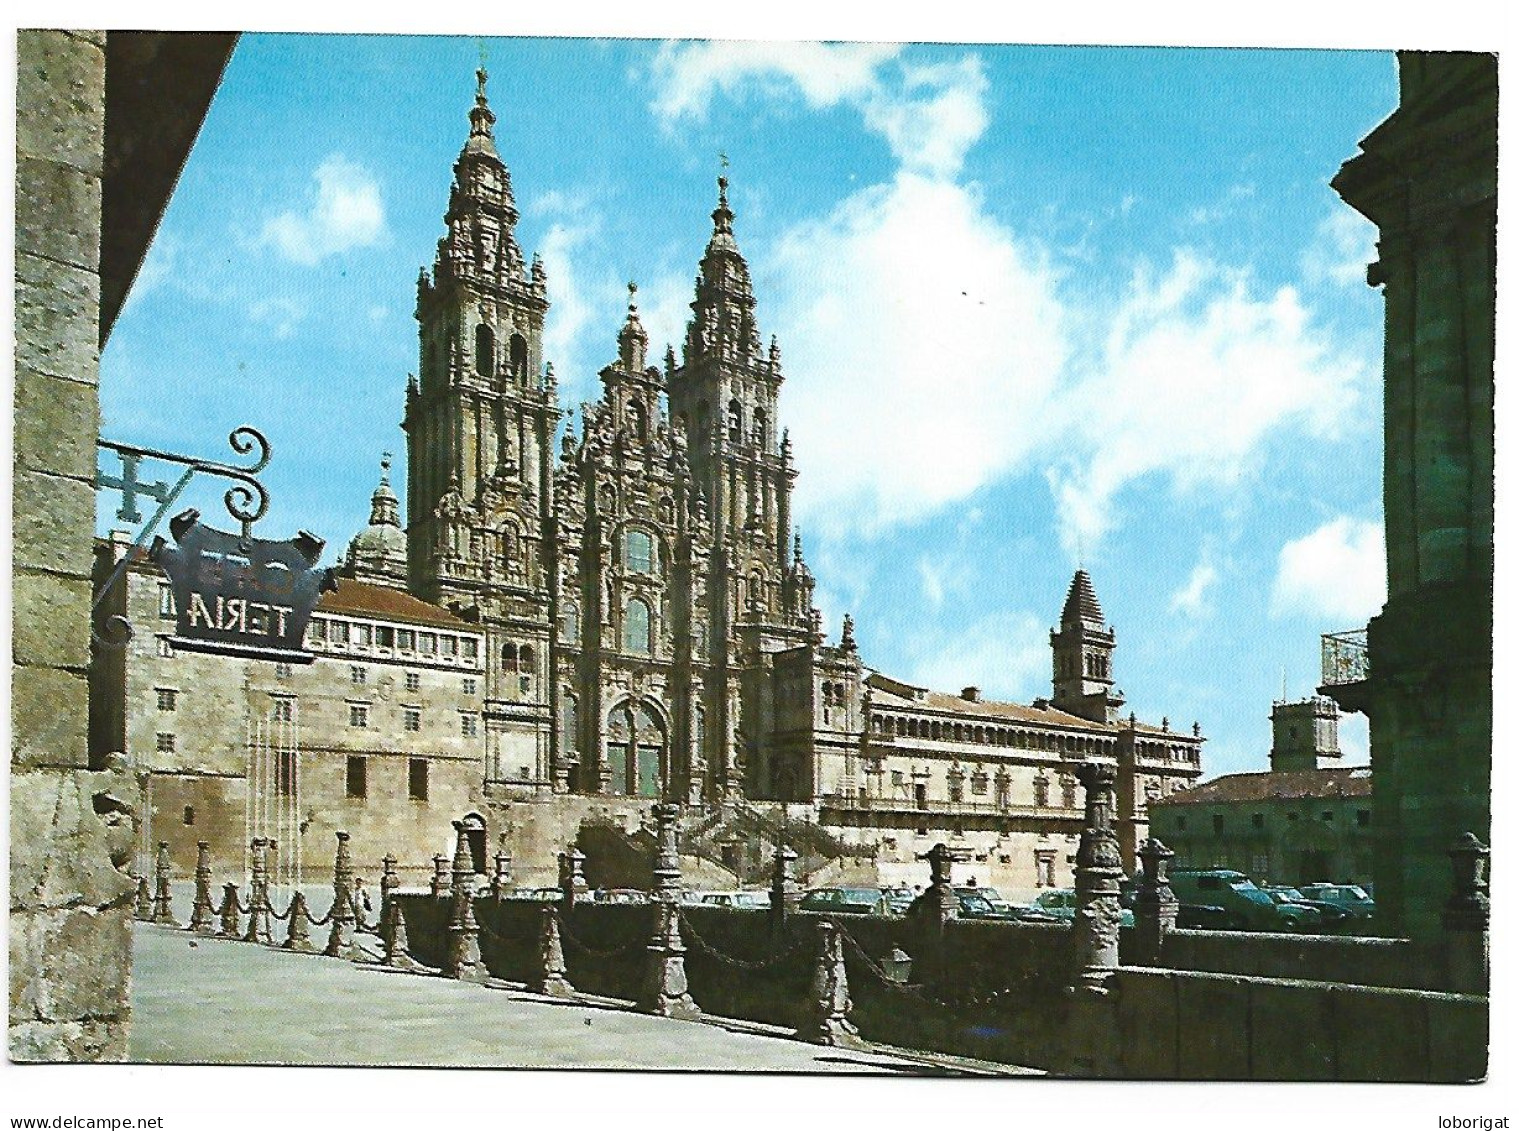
212, 1001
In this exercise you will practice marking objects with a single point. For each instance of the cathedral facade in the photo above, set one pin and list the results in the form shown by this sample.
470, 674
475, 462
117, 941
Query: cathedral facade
632, 620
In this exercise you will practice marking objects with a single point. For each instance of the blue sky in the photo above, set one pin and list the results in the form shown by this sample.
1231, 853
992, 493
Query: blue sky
1036, 306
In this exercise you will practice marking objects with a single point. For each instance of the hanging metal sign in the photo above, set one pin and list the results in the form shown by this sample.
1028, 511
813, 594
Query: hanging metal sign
238, 595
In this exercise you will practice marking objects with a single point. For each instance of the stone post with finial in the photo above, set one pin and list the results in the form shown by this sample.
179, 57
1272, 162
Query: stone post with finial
298, 928
826, 1012
463, 958
163, 910
260, 928
572, 883
389, 881
501, 878
203, 912
1466, 916
340, 933
393, 935
785, 892
143, 908
1155, 904
665, 991
231, 915
440, 876
549, 977
1099, 871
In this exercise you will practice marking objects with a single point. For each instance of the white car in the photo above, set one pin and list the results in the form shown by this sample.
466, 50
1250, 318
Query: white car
742, 900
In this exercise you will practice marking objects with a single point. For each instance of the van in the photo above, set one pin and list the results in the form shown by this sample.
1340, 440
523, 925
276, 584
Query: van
1245, 907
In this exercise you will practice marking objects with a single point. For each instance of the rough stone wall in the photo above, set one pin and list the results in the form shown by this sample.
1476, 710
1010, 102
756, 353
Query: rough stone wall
70, 834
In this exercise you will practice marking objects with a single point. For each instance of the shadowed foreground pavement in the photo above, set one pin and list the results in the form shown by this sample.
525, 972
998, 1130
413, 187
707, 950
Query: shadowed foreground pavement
198, 1000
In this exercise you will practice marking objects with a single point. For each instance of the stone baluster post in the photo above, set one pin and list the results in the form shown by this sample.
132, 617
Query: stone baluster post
440, 876
826, 1013
1099, 869
1466, 916
665, 991
298, 929
389, 881
231, 916
163, 911
144, 907
393, 934
463, 959
785, 892
260, 926
550, 976
203, 913
1155, 904
340, 933
501, 878
572, 883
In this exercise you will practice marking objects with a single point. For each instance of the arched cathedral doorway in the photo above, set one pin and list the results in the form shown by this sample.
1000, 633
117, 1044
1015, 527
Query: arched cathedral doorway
637, 750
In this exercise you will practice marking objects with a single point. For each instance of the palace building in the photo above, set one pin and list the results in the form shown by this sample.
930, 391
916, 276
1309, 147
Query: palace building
584, 615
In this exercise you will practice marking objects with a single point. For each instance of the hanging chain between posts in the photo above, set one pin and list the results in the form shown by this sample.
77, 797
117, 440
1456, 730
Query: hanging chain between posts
508, 940
993, 999
740, 963
592, 952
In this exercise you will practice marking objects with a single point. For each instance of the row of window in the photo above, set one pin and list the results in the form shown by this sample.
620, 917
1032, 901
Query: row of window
937, 730
442, 644
411, 719
356, 777
1258, 820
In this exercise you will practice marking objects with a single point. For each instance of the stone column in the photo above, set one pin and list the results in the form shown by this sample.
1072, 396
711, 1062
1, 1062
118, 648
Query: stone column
549, 978
785, 893
665, 991
439, 876
231, 916
203, 913
298, 929
826, 1013
393, 934
1466, 916
501, 878
260, 928
143, 907
389, 881
340, 941
163, 911
463, 959
572, 885
1154, 904
1094, 933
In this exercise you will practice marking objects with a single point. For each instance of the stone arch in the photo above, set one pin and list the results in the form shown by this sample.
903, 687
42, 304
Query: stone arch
638, 747
485, 350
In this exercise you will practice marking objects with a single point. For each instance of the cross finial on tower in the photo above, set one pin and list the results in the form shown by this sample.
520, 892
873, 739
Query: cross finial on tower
385, 458
632, 295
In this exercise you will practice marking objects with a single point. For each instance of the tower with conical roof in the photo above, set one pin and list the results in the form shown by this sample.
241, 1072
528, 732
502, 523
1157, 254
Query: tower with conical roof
1082, 650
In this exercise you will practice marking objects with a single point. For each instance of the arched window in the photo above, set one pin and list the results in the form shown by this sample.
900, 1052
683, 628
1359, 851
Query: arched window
525, 659
761, 428
735, 422
509, 658
638, 551
485, 350
569, 723
518, 348
569, 622
636, 636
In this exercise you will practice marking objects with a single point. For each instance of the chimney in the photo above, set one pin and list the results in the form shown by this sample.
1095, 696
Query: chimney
971, 694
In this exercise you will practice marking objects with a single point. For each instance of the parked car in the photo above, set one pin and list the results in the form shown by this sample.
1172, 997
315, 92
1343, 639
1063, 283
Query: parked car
1330, 915
846, 901
1060, 903
987, 903
1245, 906
540, 895
1352, 897
742, 900
621, 895
898, 900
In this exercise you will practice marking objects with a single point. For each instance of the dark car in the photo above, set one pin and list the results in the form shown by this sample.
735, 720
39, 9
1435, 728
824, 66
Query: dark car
987, 903
1060, 903
1330, 915
898, 900
846, 901
1245, 906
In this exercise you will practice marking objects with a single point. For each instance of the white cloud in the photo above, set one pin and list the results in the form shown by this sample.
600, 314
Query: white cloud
1343, 245
1337, 572
1007, 655
1197, 367
936, 338
345, 212
1191, 598
281, 312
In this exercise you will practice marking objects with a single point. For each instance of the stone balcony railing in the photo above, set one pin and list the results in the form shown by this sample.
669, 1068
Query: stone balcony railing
858, 802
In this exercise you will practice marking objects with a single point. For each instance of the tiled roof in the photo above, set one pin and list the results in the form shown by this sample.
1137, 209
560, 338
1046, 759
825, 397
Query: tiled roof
1340, 781
1081, 601
359, 598
995, 711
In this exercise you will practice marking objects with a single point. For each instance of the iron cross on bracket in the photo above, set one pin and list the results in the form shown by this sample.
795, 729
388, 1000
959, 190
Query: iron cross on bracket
131, 487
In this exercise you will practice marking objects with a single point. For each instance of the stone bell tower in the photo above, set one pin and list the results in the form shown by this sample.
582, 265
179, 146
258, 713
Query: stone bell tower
1082, 650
